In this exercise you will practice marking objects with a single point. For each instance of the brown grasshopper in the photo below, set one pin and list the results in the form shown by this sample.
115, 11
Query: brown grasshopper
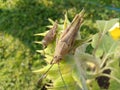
67, 38
49, 37
66, 42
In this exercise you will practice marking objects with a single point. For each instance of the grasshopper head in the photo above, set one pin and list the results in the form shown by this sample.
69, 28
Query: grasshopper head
56, 59
44, 43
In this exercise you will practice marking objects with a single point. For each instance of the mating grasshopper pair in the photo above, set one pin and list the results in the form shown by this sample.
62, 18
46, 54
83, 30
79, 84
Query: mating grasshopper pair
66, 40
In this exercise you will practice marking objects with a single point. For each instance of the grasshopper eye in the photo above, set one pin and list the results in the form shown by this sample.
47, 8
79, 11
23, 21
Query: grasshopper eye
60, 58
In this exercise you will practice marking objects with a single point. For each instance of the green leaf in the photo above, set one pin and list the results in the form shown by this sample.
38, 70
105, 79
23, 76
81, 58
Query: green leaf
106, 45
50, 20
66, 22
76, 77
102, 42
41, 34
52, 74
114, 85
38, 42
99, 52
80, 77
81, 42
69, 81
93, 85
104, 25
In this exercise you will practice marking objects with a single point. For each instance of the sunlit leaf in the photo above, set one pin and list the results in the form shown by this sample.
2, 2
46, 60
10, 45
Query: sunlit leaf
50, 20
93, 85
106, 44
66, 22
104, 26
114, 85
70, 84
41, 34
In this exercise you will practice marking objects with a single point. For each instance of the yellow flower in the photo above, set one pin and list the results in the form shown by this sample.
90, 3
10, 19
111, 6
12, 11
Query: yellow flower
115, 31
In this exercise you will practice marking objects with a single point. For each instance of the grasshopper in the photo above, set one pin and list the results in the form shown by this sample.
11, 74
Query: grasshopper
65, 42
49, 37
67, 38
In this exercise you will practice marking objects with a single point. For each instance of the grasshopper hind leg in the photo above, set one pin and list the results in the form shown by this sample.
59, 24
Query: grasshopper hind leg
62, 77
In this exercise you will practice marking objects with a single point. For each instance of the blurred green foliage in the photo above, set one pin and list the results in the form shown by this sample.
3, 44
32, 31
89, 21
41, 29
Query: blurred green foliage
21, 19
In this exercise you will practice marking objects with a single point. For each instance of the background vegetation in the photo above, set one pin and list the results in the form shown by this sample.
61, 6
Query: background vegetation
21, 19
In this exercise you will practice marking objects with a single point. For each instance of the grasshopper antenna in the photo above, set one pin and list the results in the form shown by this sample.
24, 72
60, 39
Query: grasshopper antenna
62, 76
44, 75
